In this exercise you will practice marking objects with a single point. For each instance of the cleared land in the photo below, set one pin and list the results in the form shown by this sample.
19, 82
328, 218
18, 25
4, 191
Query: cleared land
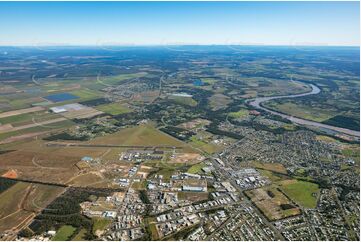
20, 111
20, 203
273, 204
142, 135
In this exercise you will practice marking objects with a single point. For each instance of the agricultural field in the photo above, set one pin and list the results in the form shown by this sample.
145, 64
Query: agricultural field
144, 131
114, 108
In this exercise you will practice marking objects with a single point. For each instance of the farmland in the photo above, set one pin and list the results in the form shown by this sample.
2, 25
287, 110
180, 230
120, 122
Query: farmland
150, 143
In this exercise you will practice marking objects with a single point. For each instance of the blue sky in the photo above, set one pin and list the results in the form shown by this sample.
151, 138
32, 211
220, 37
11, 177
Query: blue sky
144, 23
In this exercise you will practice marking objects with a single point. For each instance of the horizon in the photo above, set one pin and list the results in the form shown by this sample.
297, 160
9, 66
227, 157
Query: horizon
179, 23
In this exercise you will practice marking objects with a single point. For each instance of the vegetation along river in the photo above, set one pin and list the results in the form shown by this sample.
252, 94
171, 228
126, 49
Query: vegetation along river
257, 103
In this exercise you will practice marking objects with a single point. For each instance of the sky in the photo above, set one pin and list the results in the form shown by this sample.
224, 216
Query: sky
176, 23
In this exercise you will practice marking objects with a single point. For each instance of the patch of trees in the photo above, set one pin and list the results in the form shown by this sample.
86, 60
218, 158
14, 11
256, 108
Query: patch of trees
343, 122
66, 210
96, 102
6, 184
178, 133
144, 197
214, 130
65, 136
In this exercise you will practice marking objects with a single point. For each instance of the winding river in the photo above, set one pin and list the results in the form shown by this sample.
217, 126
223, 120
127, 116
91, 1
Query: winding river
257, 103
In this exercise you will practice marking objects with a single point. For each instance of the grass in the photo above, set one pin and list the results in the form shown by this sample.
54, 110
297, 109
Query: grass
242, 113
184, 101
86, 94
208, 148
119, 78
64, 233
145, 135
10, 199
80, 235
100, 224
269, 200
275, 167
113, 108
302, 111
302, 192
196, 168
26, 118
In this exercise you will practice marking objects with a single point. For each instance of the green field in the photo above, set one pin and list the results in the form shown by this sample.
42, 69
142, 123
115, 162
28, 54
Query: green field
114, 108
302, 192
86, 94
242, 113
196, 168
64, 233
208, 148
302, 111
184, 101
100, 224
109, 80
145, 135
80, 235
26, 118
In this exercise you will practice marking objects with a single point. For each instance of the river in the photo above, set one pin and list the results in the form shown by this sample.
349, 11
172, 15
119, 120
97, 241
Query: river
257, 103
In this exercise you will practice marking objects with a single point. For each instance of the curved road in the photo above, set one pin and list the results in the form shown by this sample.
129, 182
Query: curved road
257, 103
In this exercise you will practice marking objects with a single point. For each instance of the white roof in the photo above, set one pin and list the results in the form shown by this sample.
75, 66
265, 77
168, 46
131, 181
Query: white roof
58, 109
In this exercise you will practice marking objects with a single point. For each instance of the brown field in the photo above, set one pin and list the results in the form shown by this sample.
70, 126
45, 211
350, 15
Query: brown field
193, 196
189, 158
5, 128
142, 135
87, 179
148, 96
276, 167
20, 111
87, 112
194, 123
31, 125
20, 203
45, 167
21, 137
41, 196
270, 201
219, 101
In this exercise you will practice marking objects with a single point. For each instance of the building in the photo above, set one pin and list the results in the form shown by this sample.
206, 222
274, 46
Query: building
194, 188
109, 214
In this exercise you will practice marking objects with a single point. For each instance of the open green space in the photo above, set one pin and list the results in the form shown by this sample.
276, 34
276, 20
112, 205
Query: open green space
80, 236
302, 192
64, 233
86, 94
184, 101
113, 108
302, 111
100, 224
197, 168
145, 135
242, 113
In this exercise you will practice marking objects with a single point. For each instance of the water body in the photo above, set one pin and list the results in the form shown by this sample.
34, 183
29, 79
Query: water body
257, 103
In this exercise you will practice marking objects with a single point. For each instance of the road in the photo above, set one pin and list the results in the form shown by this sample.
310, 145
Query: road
257, 103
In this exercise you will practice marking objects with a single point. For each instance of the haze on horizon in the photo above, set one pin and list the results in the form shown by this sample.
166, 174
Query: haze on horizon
180, 23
